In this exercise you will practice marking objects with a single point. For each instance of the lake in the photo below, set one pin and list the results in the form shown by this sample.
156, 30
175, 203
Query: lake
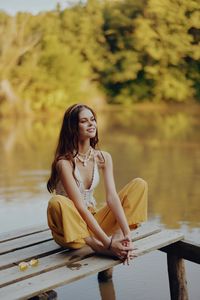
162, 146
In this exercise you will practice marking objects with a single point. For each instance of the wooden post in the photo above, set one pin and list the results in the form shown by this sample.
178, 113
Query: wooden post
177, 278
107, 290
105, 275
50, 295
185, 249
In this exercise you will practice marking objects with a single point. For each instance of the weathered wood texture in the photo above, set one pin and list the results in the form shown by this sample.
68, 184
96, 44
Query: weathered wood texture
25, 241
49, 262
184, 249
49, 247
177, 278
15, 234
38, 250
105, 275
71, 266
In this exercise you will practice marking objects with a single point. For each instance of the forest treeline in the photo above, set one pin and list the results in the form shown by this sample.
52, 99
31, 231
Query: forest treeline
126, 51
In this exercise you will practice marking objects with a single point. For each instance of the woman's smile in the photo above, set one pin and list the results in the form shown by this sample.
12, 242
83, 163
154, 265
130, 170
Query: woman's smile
87, 124
92, 129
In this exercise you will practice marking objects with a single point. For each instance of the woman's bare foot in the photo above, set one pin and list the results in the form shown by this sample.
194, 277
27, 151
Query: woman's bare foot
98, 247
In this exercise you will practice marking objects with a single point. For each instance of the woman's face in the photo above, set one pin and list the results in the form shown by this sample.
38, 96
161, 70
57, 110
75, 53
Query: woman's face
87, 125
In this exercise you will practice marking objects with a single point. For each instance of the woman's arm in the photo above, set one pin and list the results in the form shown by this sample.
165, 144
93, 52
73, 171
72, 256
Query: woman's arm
112, 196
64, 168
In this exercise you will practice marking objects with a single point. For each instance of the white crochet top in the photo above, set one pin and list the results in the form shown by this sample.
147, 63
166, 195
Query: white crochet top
87, 194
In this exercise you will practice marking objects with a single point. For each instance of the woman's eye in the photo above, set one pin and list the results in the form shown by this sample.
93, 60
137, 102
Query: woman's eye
84, 121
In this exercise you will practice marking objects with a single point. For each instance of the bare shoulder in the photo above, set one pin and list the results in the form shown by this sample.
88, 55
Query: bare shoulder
107, 155
103, 158
63, 164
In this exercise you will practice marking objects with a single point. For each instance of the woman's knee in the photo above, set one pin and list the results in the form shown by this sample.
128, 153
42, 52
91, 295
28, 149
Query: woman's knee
140, 183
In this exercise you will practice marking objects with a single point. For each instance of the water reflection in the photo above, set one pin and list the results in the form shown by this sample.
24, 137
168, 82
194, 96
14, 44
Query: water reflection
107, 290
162, 147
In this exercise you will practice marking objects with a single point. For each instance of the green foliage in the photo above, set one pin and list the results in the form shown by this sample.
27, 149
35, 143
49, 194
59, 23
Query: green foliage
133, 51
166, 43
123, 65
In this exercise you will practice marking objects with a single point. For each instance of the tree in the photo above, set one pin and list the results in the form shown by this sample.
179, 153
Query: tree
16, 42
123, 68
164, 40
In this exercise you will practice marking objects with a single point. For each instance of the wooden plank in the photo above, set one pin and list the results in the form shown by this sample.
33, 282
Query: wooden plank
184, 249
25, 241
55, 278
14, 234
39, 250
157, 241
143, 231
177, 278
31, 287
46, 263
33, 251
13, 274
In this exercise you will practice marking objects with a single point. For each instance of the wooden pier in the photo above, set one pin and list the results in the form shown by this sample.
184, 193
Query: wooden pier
58, 266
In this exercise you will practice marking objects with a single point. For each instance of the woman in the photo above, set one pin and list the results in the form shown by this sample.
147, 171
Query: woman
72, 215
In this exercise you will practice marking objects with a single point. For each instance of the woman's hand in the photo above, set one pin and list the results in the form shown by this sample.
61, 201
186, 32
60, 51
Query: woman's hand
130, 254
121, 248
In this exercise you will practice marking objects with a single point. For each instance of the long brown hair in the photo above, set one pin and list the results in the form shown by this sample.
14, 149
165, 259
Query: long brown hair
67, 147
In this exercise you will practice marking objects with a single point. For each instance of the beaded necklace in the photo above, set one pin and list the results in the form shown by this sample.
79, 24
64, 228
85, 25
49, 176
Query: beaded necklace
84, 158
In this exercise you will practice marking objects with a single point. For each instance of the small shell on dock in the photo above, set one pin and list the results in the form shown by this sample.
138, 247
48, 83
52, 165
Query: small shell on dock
23, 266
34, 262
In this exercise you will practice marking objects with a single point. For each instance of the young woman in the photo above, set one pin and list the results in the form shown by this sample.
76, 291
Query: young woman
72, 214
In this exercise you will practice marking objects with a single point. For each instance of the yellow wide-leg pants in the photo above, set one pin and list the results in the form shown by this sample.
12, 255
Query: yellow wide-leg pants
69, 229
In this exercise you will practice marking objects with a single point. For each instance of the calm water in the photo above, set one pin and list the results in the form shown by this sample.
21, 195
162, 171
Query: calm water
163, 147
